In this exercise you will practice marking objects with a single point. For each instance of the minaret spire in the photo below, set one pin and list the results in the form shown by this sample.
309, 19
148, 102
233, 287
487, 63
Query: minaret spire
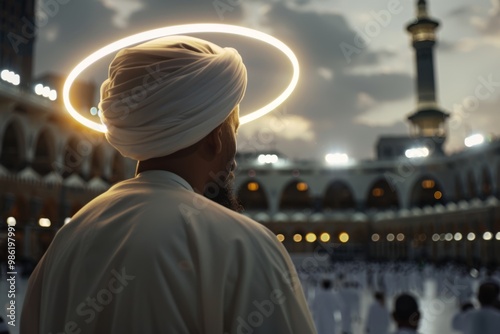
428, 120
422, 9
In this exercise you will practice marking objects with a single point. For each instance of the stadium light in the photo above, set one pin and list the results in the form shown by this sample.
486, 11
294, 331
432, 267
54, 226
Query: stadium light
46, 92
267, 159
418, 152
10, 77
474, 140
44, 222
11, 221
337, 158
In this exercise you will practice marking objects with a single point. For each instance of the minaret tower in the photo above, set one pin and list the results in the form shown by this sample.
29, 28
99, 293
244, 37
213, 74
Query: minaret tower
428, 120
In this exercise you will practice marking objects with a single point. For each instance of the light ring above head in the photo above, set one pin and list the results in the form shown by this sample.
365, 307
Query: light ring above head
179, 30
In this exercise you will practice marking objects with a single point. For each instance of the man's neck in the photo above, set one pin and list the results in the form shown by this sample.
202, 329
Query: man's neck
186, 171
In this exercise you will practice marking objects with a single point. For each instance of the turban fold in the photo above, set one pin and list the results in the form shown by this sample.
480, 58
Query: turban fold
167, 94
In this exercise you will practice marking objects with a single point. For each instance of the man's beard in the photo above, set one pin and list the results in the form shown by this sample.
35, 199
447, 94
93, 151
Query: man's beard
224, 195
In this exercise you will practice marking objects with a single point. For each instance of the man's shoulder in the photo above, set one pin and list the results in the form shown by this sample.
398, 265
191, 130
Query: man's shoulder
219, 218
488, 311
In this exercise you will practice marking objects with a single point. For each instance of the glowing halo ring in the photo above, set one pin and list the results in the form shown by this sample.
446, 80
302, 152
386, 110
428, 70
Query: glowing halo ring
178, 30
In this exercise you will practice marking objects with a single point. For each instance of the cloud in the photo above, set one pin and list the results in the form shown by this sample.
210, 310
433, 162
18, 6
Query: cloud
331, 94
76, 35
488, 26
382, 86
276, 126
123, 9
447, 45
319, 36
85, 25
384, 114
165, 13
356, 140
365, 101
462, 11
325, 73
50, 34
491, 24
484, 120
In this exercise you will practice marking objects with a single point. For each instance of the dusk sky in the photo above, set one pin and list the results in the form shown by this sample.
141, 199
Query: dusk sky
342, 103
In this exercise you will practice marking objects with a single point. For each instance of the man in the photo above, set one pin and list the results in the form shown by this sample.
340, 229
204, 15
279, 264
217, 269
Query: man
326, 302
484, 320
378, 317
152, 254
406, 314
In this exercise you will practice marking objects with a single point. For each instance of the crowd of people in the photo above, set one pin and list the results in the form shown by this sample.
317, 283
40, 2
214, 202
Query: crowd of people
335, 294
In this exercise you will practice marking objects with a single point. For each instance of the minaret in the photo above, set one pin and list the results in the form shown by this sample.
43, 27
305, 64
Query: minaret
428, 120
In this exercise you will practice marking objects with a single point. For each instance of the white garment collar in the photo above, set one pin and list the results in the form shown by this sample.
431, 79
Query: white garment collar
155, 175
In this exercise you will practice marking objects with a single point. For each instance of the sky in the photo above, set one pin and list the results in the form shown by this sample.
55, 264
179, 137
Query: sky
344, 100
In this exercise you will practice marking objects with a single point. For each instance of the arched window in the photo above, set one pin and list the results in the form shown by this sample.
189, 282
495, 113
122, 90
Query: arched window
382, 196
44, 153
12, 153
296, 196
252, 196
338, 196
486, 184
426, 191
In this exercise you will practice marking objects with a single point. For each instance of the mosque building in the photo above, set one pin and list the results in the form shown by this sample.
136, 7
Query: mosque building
412, 201
50, 166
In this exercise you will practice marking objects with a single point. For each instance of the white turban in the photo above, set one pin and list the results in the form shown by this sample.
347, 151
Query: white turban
167, 94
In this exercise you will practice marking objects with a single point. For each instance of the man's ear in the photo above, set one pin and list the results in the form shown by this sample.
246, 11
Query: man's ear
414, 318
215, 140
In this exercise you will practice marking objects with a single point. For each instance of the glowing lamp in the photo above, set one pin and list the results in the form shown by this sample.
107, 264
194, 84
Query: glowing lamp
474, 140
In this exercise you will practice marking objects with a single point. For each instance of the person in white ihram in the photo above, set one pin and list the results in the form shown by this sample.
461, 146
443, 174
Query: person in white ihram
325, 303
152, 254
486, 319
406, 314
377, 321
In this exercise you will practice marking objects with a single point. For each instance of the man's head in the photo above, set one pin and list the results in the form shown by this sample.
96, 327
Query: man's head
406, 313
219, 187
173, 104
167, 94
380, 298
488, 293
326, 284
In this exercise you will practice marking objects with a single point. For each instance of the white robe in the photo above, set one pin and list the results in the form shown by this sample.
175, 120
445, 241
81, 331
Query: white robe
152, 256
378, 319
325, 304
485, 320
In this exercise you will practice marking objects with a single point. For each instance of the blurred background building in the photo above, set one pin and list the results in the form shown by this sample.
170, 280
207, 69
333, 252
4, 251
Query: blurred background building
412, 202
